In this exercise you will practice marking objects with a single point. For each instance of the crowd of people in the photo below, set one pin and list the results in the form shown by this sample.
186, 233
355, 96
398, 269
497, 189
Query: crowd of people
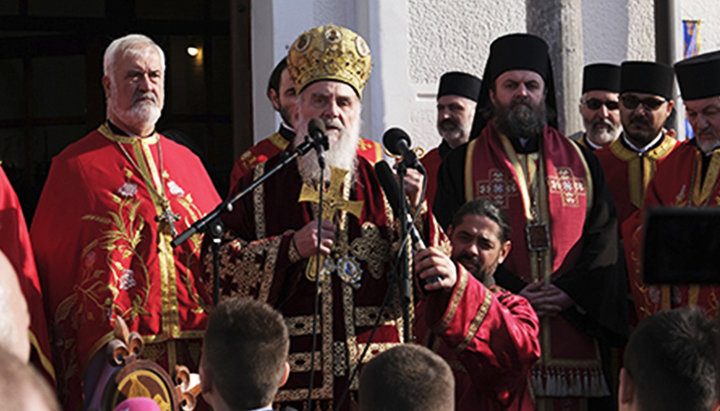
522, 295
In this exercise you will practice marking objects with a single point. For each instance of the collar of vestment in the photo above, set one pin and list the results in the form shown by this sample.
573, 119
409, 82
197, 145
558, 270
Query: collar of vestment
584, 140
444, 149
647, 147
114, 133
532, 144
286, 132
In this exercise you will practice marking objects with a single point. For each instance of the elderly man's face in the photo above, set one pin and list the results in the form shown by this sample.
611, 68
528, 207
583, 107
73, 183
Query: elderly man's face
643, 115
704, 117
601, 116
333, 102
135, 90
477, 245
454, 118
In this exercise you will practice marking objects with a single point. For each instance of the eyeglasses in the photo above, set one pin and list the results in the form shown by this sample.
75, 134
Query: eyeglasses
595, 104
631, 102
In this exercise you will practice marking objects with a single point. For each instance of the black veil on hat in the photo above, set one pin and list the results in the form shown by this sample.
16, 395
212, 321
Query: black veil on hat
459, 84
601, 76
518, 51
647, 77
699, 76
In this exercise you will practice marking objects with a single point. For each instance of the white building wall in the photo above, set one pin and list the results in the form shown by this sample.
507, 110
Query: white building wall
414, 41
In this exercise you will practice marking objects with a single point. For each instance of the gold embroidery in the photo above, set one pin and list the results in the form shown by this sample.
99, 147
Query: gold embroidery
367, 316
258, 203
339, 359
371, 248
476, 322
299, 325
454, 301
300, 362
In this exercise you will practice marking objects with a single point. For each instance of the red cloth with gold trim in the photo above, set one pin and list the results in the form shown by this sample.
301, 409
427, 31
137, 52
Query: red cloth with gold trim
677, 183
431, 162
277, 143
489, 337
570, 364
101, 253
263, 263
628, 172
15, 244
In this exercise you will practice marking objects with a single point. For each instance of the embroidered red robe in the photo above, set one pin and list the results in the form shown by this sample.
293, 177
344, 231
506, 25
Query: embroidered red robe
15, 244
489, 337
628, 172
558, 193
101, 253
677, 183
431, 162
264, 264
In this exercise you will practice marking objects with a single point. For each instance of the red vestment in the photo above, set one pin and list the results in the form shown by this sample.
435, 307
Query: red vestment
677, 183
552, 186
628, 172
489, 337
15, 244
263, 263
278, 142
102, 253
431, 162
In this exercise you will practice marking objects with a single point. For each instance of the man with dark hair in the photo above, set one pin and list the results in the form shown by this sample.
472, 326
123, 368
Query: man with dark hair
456, 102
599, 106
245, 353
687, 178
670, 363
564, 237
630, 161
489, 334
407, 378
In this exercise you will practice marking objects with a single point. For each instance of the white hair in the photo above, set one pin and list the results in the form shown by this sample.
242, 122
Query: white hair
130, 44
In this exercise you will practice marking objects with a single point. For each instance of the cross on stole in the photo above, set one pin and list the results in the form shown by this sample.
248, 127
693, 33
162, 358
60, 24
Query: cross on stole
333, 201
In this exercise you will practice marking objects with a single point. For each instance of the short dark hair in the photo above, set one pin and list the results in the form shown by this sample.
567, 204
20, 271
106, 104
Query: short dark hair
408, 377
671, 360
484, 208
246, 347
274, 80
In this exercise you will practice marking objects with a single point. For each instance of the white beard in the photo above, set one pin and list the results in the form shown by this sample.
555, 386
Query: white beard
341, 154
143, 113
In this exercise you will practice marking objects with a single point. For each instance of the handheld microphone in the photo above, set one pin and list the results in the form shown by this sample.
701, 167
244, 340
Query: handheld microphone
316, 132
397, 142
392, 192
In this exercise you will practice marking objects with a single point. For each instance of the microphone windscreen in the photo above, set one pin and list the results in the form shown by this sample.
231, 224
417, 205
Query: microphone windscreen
389, 185
392, 137
316, 126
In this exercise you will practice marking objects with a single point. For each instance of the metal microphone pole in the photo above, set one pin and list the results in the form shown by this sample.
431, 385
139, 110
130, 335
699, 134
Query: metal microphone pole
404, 267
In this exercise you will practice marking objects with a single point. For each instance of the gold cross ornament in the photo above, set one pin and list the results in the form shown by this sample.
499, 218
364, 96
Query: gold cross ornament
333, 201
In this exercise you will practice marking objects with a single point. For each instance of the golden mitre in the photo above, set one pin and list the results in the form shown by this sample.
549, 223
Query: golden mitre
330, 53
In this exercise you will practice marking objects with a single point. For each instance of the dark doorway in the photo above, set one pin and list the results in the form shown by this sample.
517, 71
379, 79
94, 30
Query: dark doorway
51, 67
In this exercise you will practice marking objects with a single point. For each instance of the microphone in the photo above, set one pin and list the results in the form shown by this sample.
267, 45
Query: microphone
398, 142
392, 192
316, 132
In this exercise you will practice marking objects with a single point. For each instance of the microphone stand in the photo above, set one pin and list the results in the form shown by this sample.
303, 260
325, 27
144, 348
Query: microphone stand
212, 223
319, 142
403, 277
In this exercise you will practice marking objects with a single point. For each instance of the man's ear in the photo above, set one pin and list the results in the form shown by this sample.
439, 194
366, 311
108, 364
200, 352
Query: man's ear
492, 96
626, 391
286, 374
273, 96
504, 251
106, 86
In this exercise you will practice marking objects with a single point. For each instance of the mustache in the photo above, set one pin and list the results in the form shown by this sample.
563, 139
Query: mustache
602, 121
333, 123
640, 120
139, 96
449, 122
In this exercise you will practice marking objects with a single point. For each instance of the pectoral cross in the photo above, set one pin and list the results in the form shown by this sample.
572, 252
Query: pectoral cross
333, 201
168, 218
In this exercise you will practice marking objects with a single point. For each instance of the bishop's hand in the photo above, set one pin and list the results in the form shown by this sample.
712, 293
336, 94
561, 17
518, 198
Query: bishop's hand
306, 239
